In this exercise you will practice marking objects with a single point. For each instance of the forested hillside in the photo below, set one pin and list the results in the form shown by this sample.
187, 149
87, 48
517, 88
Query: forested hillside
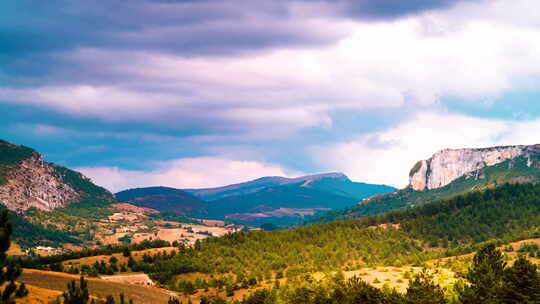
517, 170
459, 225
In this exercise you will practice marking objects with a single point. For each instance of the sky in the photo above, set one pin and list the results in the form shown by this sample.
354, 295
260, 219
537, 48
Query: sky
203, 93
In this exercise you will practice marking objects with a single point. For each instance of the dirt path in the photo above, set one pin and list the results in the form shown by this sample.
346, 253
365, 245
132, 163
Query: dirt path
136, 278
97, 287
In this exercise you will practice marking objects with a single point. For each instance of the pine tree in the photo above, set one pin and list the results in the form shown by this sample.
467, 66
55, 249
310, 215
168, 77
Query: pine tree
521, 283
485, 277
422, 290
77, 294
174, 301
9, 271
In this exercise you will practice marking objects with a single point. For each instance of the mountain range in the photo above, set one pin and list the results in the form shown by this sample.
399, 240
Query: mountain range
272, 199
32, 187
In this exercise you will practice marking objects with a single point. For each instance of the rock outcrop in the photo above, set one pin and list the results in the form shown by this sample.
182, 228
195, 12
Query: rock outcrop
27, 181
448, 165
35, 184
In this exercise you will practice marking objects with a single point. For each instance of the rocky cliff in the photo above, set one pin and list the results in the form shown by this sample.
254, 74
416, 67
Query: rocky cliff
27, 181
448, 165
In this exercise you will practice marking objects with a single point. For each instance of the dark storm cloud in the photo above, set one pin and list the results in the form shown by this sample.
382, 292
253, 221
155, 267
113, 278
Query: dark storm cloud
32, 33
29, 28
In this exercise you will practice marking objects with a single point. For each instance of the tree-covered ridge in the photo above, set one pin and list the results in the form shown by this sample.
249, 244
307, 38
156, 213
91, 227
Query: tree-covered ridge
10, 158
292, 252
461, 224
84, 186
511, 211
518, 170
28, 235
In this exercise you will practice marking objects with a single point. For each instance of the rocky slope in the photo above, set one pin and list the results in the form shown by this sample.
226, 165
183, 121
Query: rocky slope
448, 165
26, 181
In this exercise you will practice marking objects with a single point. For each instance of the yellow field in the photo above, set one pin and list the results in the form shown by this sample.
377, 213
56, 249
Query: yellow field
52, 283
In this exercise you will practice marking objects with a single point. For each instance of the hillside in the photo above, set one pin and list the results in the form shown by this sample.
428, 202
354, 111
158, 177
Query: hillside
449, 227
523, 168
276, 200
53, 208
382, 250
27, 181
343, 186
164, 199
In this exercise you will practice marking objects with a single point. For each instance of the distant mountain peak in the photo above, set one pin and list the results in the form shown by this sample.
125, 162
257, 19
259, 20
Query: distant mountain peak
266, 181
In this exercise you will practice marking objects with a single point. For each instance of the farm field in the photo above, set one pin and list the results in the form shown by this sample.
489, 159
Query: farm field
99, 288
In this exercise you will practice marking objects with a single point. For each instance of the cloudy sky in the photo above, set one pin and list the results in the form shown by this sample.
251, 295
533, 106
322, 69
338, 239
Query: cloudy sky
205, 93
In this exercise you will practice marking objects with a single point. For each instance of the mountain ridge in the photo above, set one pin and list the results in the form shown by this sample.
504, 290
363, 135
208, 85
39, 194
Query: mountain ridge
259, 183
275, 199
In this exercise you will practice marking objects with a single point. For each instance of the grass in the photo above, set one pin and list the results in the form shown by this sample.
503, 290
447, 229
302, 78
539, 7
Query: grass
99, 288
137, 256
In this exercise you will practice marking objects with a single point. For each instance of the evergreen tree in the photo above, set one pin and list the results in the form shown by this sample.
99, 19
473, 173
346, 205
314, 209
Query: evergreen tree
174, 301
9, 271
261, 296
358, 291
521, 283
485, 277
77, 294
422, 290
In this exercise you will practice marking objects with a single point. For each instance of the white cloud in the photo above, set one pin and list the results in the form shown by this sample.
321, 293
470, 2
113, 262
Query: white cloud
387, 156
198, 172
474, 51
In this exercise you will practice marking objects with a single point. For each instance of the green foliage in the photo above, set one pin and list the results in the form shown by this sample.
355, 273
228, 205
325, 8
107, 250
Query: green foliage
84, 186
43, 261
10, 158
301, 250
490, 281
88, 208
509, 212
522, 283
422, 290
510, 171
174, 301
463, 223
76, 294
9, 270
29, 235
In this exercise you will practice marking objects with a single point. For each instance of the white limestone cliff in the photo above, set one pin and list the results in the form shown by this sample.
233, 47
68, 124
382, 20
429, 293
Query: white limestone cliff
448, 165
